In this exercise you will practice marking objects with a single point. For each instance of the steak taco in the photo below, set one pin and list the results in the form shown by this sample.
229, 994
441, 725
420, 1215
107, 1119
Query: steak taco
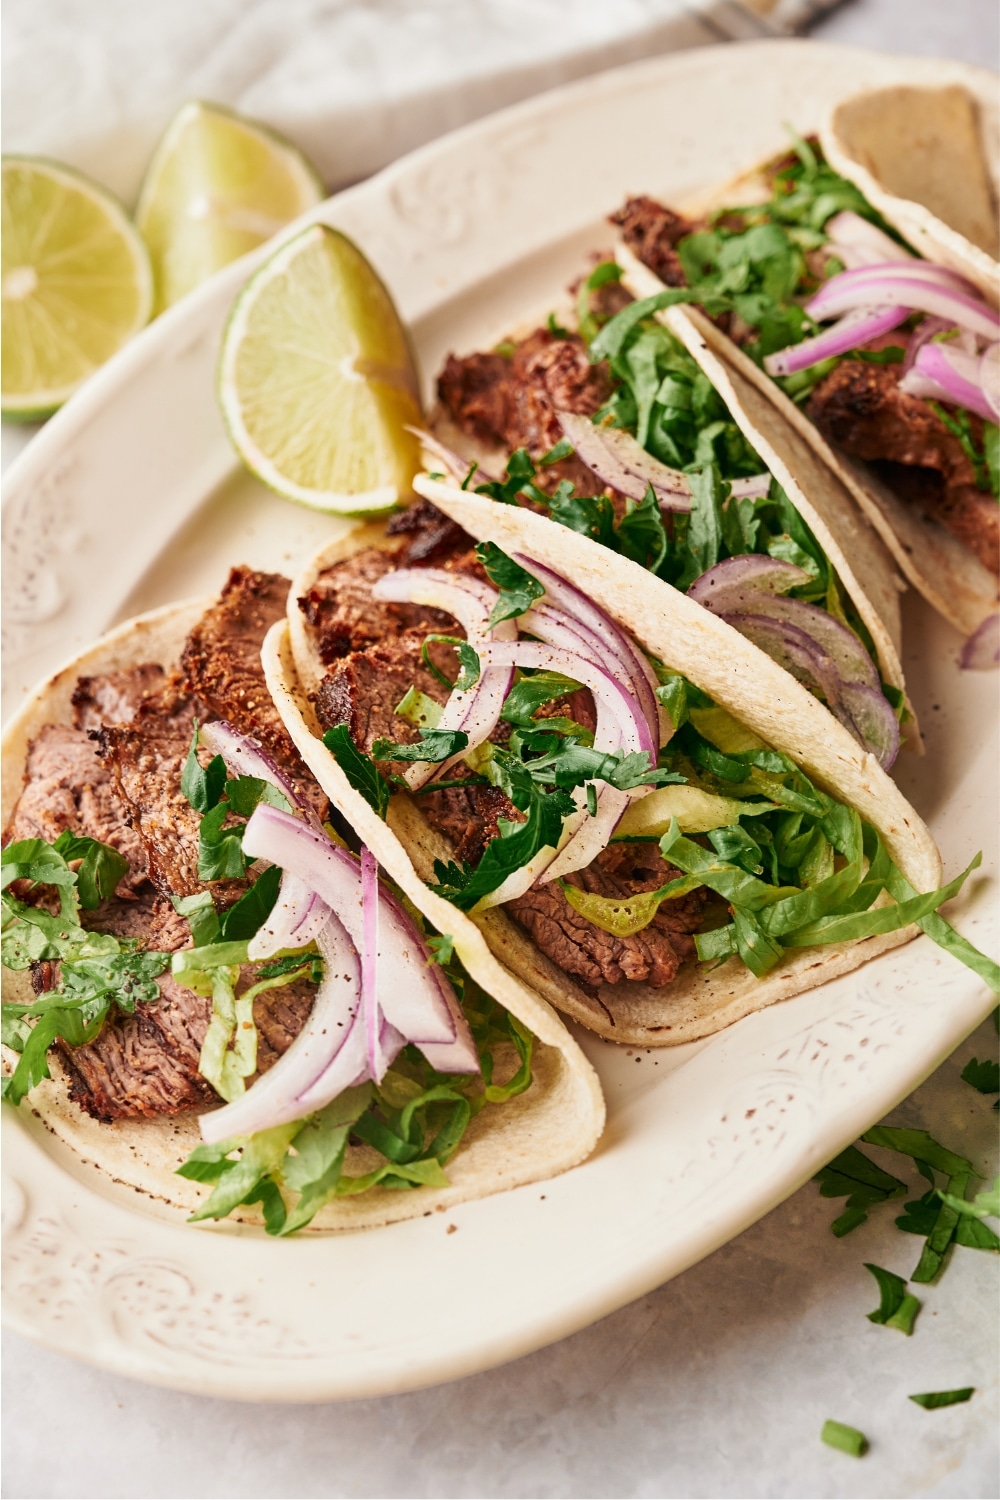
652, 444
886, 364
646, 818
215, 1000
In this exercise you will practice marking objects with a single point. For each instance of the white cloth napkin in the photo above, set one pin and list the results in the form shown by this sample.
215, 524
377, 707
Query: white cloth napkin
355, 83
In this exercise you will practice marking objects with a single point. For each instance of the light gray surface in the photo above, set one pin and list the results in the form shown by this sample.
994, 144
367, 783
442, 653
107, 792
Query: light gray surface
715, 1385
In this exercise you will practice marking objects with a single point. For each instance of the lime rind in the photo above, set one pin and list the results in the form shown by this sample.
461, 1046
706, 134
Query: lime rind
218, 186
59, 321
316, 380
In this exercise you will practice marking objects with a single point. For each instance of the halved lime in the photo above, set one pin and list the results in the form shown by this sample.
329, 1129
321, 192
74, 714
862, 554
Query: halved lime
76, 283
316, 379
218, 186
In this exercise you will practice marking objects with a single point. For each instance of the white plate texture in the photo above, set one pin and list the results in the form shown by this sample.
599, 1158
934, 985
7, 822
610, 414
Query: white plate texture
131, 497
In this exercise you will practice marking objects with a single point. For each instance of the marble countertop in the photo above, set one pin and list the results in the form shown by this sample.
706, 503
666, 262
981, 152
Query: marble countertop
716, 1384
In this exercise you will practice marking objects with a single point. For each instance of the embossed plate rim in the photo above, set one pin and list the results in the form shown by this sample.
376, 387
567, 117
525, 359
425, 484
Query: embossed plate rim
746, 1117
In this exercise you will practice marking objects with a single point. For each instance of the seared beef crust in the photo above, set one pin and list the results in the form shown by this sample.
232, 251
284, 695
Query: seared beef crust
653, 232
594, 957
344, 617
512, 403
66, 786
860, 408
363, 689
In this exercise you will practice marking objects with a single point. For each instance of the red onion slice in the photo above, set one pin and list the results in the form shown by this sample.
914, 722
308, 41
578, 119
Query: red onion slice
475, 712
331, 1032
297, 919
859, 707
453, 462
854, 329
848, 231
926, 330
981, 652
875, 287
410, 997
989, 378
943, 373
377, 1063
620, 461
246, 757
755, 585
575, 605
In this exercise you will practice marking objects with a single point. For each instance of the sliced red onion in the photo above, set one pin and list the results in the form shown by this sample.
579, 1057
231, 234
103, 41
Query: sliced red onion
862, 709
943, 373
610, 695
737, 576
297, 919
475, 712
926, 330
848, 231
620, 461
377, 1061
454, 462
981, 652
246, 757
575, 604
756, 585
989, 378
855, 328
330, 1038
904, 287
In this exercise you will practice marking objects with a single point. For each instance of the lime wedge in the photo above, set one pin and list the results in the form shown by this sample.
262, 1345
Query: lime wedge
76, 283
217, 187
316, 379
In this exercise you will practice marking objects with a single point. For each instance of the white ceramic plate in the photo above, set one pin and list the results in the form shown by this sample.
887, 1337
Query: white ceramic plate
130, 497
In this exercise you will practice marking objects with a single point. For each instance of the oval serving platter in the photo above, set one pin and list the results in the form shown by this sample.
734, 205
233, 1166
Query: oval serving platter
131, 497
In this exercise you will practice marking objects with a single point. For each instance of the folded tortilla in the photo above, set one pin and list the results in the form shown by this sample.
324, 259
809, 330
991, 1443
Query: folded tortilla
940, 567
535, 1135
688, 639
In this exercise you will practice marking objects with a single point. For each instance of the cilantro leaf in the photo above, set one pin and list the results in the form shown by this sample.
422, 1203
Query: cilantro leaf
518, 588
897, 1307
517, 844
434, 745
931, 1400
984, 1076
202, 786
102, 868
359, 768
220, 850
247, 915
640, 532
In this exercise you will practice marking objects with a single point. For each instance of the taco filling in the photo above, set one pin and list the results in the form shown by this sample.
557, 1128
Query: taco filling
618, 433
198, 940
894, 358
630, 825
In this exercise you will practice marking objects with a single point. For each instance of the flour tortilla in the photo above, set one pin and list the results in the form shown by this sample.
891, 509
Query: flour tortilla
547, 1129
940, 567
709, 653
926, 158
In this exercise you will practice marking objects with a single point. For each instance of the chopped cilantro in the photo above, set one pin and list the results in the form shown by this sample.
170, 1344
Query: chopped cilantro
847, 1439
930, 1400
518, 588
984, 1076
897, 1307
359, 768
433, 746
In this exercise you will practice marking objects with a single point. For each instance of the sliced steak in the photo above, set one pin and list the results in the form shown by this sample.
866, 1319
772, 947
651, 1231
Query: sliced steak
67, 786
653, 232
594, 957
362, 691
145, 760
115, 697
431, 537
344, 617
512, 403
222, 668
859, 407
280, 1015
467, 816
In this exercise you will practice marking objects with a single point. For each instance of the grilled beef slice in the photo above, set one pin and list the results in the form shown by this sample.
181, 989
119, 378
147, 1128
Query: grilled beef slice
653, 232
860, 408
512, 402
595, 957
363, 689
115, 697
344, 617
67, 786
222, 668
